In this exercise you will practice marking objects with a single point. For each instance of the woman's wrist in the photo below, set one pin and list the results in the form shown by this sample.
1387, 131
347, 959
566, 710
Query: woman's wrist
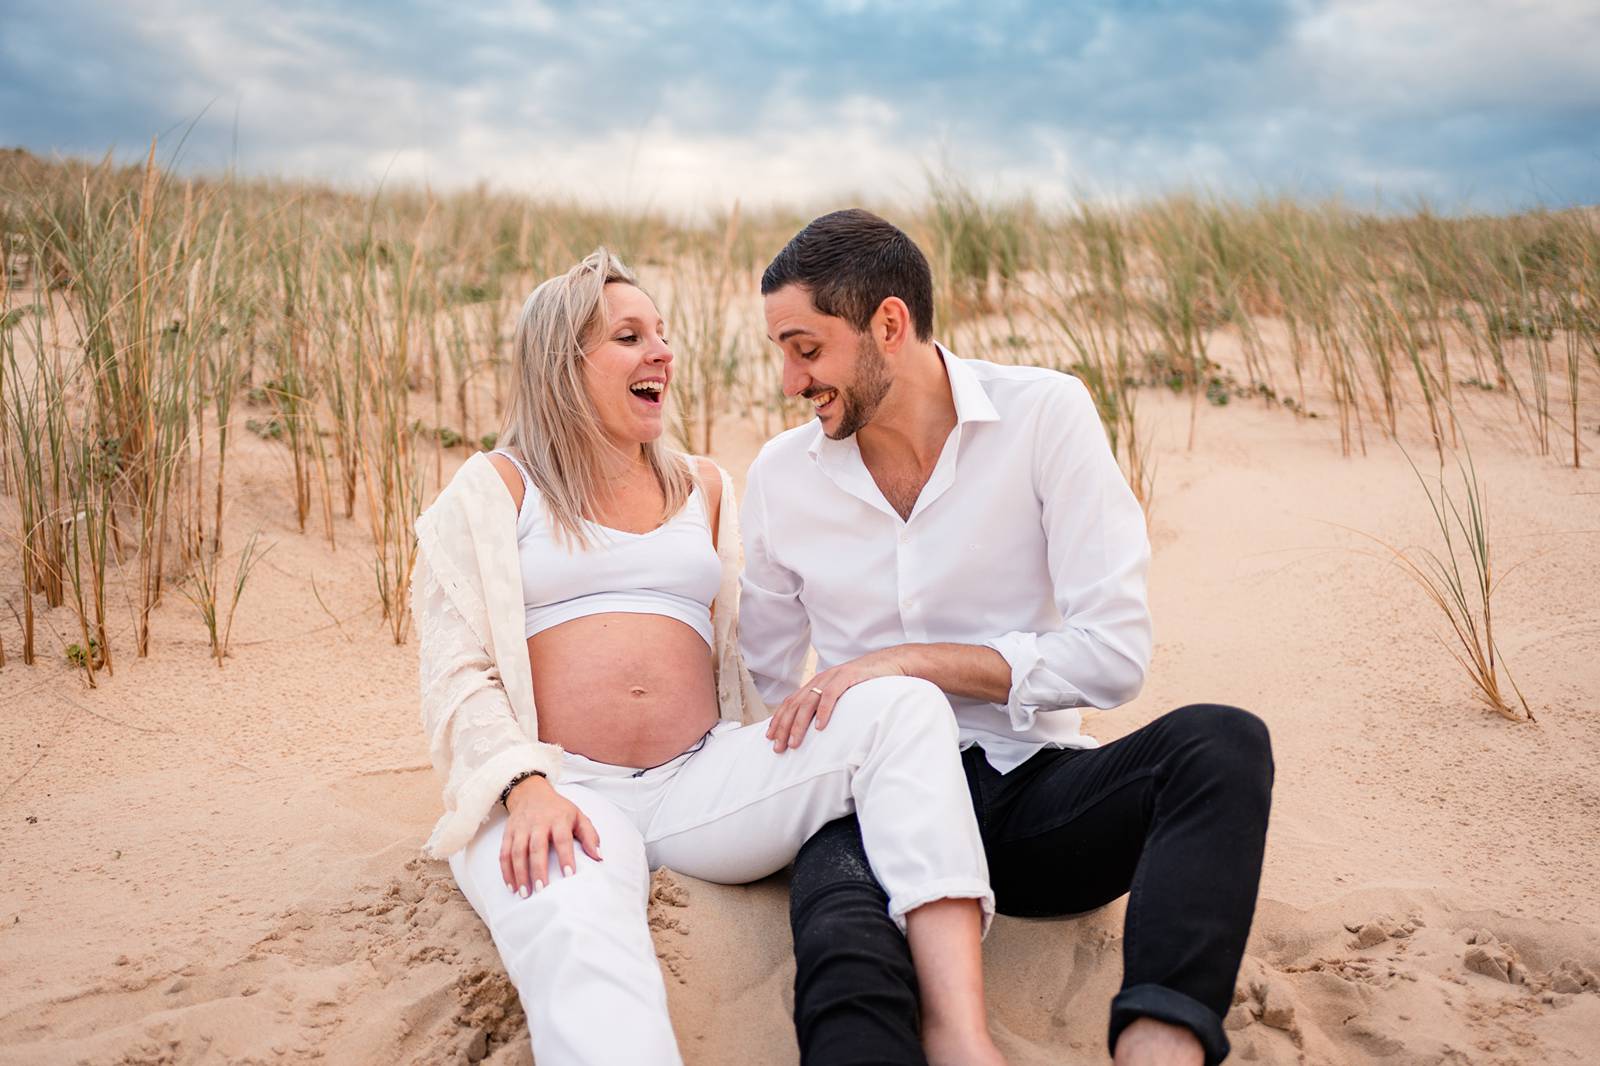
521, 788
517, 782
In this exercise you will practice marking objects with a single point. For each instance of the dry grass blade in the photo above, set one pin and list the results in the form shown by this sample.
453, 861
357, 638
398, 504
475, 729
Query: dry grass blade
1463, 591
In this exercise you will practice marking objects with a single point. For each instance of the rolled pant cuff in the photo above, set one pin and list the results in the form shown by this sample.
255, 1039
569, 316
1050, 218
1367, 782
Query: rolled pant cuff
950, 888
1166, 1005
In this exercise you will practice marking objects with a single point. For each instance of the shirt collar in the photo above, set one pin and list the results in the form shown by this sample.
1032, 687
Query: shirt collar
966, 391
972, 402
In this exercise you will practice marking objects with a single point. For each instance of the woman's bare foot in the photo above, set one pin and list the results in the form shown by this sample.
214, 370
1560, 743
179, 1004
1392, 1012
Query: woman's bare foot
948, 1046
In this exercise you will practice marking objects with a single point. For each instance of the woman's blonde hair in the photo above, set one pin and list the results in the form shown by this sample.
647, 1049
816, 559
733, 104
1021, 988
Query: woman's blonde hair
550, 423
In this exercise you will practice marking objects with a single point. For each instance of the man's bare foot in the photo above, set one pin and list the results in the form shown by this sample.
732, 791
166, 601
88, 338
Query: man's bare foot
947, 1046
1148, 1042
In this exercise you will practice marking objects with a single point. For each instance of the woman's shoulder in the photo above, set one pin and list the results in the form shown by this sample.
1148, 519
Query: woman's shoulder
476, 484
513, 478
713, 482
708, 475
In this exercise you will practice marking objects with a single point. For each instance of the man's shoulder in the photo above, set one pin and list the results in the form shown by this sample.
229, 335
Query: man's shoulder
789, 447
1015, 386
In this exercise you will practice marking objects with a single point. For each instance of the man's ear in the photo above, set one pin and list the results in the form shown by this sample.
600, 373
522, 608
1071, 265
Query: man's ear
891, 324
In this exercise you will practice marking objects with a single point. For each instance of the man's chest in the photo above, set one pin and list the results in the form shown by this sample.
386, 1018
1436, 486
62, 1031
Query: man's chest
861, 567
901, 487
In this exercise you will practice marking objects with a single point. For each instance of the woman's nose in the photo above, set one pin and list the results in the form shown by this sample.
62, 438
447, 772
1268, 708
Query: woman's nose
660, 352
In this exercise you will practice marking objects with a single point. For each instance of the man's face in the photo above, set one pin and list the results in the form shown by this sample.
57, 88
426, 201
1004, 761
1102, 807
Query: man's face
827, 362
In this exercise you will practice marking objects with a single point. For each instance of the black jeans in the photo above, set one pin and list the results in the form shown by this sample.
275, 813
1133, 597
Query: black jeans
1174, 814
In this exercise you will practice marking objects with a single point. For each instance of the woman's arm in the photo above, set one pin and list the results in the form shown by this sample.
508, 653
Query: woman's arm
474, 740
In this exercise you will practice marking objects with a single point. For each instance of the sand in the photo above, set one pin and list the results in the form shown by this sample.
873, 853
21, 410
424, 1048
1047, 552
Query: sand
222, 866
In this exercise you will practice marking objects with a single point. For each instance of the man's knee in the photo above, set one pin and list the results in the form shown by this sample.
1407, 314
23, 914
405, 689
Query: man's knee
1237, 745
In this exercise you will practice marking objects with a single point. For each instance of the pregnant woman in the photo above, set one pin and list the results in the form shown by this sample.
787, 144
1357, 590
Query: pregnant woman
588, 571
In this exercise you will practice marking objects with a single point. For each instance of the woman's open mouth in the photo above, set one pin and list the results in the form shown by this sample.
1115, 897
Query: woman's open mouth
651, 392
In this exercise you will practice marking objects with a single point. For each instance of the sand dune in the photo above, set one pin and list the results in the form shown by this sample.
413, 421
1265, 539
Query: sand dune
221, 866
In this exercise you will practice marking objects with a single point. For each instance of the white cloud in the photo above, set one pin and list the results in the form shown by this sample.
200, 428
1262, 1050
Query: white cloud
682, 107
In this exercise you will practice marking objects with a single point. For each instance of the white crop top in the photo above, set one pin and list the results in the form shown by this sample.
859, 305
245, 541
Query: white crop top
673, 570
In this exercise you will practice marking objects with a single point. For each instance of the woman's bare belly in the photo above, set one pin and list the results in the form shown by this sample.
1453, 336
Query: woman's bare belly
626, 689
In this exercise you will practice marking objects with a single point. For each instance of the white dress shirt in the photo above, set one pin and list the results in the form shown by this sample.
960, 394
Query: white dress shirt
1026, 539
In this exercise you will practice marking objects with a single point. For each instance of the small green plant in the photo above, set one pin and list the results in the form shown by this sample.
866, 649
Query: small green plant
1217, 392
1509, 322
203, 591
271, 429
488, 441
84, 660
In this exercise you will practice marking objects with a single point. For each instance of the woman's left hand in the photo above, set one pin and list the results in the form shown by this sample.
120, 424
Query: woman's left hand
815, 699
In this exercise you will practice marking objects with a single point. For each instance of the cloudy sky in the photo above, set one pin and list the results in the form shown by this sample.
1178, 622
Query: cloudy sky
1472, 104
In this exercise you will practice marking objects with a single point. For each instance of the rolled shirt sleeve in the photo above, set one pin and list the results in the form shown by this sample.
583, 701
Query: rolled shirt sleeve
1098, 554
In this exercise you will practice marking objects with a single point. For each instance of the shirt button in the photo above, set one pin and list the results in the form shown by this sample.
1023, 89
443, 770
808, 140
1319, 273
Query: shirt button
905, 536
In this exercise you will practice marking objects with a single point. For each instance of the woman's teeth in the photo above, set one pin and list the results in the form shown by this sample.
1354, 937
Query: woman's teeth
649, 391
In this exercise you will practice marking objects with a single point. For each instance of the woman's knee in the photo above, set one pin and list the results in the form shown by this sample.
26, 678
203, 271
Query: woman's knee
901, 703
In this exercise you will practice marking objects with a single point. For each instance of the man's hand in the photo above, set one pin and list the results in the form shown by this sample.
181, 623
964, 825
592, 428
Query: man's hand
815, 699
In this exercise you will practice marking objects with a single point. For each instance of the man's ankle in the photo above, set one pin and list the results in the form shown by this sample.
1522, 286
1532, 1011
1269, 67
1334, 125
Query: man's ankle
1151, 1042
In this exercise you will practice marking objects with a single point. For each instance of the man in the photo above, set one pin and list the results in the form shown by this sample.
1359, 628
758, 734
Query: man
966, 523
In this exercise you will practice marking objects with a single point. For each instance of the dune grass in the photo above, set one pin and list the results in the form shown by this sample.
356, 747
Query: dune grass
1460, 580
369, 334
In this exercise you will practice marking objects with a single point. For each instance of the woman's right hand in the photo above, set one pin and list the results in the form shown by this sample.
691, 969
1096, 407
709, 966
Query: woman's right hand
540, 818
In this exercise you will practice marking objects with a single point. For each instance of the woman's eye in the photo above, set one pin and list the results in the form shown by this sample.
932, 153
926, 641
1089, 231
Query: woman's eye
628, 338
812, 354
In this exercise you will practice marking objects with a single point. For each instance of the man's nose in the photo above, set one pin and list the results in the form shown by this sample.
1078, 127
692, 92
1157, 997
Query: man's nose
795, 379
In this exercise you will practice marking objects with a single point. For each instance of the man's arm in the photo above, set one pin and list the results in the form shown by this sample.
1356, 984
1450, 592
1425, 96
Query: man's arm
1097, 553
774, 630
972, 670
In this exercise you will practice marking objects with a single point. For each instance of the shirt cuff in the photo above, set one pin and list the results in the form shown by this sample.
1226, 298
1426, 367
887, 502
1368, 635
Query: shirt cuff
1021, 653
1034, 686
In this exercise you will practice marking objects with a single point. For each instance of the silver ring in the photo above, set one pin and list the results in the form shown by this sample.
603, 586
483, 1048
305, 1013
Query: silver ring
818, 691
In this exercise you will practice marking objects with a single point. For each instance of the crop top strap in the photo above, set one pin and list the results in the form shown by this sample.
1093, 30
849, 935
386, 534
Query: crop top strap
700, 482
527, 478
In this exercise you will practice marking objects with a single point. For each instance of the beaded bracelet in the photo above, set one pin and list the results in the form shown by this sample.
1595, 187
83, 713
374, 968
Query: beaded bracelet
505, 793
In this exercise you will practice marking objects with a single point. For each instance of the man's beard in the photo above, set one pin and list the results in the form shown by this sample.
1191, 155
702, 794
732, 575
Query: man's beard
860, 401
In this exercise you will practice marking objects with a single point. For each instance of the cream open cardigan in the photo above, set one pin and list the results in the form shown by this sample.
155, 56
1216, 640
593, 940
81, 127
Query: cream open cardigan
477, 687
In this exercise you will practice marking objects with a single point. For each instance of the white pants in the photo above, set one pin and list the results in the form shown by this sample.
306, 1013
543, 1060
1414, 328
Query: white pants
732, 811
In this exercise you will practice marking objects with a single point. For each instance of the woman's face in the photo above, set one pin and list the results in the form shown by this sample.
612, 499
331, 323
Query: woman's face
627, 371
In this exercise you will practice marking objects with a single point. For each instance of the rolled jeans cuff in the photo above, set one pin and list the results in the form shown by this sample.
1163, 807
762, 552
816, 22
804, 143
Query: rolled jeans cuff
1167, 1005
948, 888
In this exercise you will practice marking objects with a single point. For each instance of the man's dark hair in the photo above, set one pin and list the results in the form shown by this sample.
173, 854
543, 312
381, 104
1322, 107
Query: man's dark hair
851, 261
